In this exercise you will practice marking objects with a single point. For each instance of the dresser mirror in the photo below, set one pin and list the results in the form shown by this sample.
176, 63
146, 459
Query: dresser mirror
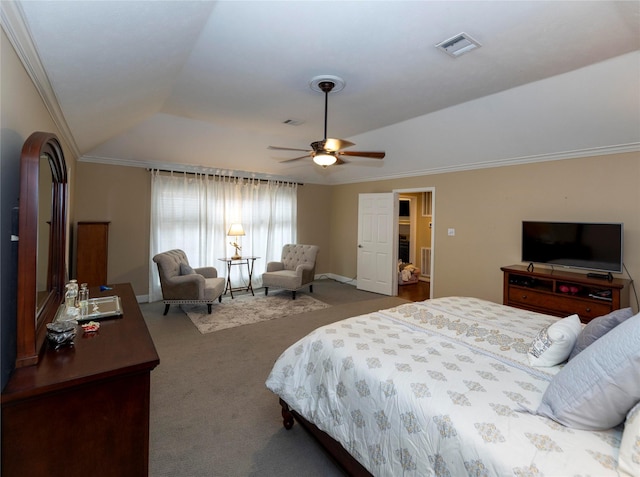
42, 245
45, 192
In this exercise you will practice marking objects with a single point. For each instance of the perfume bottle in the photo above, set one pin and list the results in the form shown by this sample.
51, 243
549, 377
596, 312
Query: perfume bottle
71, 300
83, 299
71, 296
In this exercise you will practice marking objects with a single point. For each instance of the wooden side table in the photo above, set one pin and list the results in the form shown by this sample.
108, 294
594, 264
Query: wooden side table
249, 262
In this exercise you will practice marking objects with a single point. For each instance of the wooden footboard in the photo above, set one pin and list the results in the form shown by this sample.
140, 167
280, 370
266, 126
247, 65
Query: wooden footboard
345, 460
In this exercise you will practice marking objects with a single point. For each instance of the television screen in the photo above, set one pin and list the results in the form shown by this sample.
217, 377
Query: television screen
592, 246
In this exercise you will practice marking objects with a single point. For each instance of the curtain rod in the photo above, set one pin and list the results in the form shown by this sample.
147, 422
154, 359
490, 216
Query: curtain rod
223, 176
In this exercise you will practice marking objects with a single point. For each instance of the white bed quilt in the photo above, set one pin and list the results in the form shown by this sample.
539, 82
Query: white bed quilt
437, 388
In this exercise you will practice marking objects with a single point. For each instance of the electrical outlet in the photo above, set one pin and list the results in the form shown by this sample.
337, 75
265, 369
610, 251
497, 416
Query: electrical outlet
451, 232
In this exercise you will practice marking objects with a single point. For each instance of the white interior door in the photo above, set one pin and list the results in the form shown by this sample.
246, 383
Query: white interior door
378, 243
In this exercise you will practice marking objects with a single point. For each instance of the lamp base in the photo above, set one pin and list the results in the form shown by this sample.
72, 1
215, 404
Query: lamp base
236, 257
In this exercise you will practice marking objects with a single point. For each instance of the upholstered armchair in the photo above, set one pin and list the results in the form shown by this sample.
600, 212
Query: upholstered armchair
296, 269
182, 284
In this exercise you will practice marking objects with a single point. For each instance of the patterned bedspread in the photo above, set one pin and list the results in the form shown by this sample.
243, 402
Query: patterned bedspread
437, 388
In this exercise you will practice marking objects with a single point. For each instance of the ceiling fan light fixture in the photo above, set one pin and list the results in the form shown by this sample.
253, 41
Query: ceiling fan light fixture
325, 159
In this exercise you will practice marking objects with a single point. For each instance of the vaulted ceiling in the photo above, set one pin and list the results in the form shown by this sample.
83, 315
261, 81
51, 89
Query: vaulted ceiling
210, 84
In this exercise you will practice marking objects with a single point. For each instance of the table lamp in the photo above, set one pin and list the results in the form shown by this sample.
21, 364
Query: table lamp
236, 230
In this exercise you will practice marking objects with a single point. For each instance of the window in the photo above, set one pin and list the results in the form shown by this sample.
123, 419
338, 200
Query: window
193, 212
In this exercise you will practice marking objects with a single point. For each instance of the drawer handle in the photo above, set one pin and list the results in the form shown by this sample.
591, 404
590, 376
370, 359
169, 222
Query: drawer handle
524, 297
588, 310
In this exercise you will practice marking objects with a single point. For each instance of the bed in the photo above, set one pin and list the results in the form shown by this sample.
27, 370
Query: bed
441, 387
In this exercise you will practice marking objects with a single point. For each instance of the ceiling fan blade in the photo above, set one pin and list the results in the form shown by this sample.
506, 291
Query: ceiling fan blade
295, 158
369, 154
332, 144
278, 148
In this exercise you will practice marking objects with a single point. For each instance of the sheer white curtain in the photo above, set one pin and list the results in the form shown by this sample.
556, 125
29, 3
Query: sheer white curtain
193, 212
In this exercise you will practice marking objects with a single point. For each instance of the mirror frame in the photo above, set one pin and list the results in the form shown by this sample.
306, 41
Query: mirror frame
31, 322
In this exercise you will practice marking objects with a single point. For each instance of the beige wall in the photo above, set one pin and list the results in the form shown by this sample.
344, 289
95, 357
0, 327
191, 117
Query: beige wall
121, 195
314, 222
23, 111
486, 208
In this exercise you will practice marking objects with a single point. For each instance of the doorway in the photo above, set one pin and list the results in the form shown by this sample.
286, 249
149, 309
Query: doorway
378, 240
416, 233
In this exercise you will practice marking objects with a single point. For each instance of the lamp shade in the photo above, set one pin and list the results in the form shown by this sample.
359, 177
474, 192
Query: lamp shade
235, 230
325, 159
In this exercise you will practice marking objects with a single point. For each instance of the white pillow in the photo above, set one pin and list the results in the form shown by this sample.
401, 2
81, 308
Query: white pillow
554, 343
629, 456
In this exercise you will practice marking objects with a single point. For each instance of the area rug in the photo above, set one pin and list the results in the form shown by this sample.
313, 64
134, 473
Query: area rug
248, 309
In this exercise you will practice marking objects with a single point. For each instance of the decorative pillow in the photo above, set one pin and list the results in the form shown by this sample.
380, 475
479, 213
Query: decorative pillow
554, 343
598, 327
185, 269
597, 388
629, 456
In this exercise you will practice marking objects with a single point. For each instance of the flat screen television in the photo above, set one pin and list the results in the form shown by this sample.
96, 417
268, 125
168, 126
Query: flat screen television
591, 246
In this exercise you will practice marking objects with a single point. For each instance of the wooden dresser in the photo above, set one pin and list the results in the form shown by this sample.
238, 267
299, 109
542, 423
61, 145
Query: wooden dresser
84, 410
562, 293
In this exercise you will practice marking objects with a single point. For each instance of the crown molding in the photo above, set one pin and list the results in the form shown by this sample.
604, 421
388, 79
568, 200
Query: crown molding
183, 168
556, 156
14, 25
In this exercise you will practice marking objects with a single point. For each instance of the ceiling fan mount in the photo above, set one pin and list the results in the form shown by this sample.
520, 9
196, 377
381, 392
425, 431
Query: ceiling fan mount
328, 151
337, 83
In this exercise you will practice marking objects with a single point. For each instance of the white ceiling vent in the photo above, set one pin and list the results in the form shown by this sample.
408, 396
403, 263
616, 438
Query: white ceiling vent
292, 122
458, 45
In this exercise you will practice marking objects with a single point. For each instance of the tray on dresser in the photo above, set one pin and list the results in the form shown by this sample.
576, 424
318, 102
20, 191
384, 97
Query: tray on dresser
97, 309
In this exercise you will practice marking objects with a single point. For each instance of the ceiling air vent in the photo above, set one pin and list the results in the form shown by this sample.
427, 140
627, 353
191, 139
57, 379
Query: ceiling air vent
292, 122
458, 45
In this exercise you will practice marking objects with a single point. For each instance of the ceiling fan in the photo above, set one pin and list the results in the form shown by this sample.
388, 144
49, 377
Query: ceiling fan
328, 151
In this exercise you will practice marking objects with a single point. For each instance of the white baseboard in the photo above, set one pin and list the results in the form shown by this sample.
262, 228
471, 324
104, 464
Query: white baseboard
142, 298
338, 278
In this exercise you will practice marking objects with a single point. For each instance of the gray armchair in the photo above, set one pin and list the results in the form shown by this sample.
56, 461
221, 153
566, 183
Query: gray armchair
296, 269
182, 284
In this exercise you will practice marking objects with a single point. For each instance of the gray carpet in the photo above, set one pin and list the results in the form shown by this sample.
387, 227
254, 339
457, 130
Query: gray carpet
211, 414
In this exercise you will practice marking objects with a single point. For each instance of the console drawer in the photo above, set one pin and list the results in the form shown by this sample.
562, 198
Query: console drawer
558, 304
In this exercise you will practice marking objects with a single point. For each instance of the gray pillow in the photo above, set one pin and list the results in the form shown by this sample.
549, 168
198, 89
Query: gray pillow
598, 327
596, 389
185, 269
